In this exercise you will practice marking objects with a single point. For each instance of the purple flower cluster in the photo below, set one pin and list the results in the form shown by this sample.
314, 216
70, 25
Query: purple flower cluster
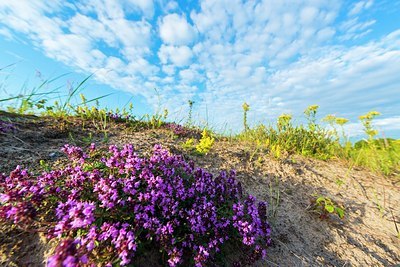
108, 205
118, 117
177, 129
6, 127
66, 254
74, 215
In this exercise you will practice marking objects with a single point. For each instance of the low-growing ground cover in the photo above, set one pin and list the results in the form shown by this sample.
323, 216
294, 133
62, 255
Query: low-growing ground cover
367, 235
107, 207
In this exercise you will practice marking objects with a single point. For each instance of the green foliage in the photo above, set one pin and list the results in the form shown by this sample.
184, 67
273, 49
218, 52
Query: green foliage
157, 120
366, 121
284, 122
335, 122
44, 165
314, 140
285, 137
311, 112
274, 198
323, 206
380, 155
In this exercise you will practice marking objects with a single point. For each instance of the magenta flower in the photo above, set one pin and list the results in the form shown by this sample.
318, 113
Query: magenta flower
115, 203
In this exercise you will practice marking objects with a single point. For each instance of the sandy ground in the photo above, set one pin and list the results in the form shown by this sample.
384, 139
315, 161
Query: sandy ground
366, 236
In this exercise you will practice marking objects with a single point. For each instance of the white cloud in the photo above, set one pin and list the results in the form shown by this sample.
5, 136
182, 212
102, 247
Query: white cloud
146, 6
357, 25
106, 9
392, 123
354, 29
360, 6
141, 66
114, 63
131, 37
6, 34
168, 69
180, 56
75, 41
71, 49
355, 129
175, 30
96, 30
171, 6
308, 14
191, 75
131, 33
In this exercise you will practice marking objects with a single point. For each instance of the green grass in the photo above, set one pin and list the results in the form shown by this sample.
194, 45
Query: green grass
321, 142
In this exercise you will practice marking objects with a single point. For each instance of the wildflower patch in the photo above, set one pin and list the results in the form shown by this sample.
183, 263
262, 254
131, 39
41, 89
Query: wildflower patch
105, 207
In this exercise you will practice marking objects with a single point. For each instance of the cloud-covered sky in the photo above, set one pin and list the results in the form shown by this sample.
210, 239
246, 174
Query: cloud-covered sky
278, 56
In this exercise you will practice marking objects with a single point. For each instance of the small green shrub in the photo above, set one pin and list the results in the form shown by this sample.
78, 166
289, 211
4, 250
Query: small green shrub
324, 206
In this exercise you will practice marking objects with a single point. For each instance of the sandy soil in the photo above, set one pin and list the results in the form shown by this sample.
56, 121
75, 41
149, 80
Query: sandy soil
367, 235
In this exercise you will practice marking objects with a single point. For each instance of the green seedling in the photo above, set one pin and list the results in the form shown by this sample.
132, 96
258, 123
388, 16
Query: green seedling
324, 206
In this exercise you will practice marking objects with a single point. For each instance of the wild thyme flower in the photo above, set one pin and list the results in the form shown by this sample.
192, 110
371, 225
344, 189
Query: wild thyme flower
6, 127
112, 203
177, 129
66, 254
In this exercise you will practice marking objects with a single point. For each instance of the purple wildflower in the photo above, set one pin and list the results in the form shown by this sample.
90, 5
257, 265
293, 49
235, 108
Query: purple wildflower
112, 203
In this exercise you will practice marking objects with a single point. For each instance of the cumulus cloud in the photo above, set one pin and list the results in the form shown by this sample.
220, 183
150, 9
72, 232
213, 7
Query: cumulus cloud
76, 41
175, 30
146, 6
178, 55
171, 6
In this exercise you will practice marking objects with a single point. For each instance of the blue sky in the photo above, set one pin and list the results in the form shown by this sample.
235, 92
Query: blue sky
278, 56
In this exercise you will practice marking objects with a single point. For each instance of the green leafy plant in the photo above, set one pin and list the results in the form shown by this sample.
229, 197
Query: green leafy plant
311, 112
333, 121
274, 198
284, 122
380, 155
158, 119
324, 206
366, 121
